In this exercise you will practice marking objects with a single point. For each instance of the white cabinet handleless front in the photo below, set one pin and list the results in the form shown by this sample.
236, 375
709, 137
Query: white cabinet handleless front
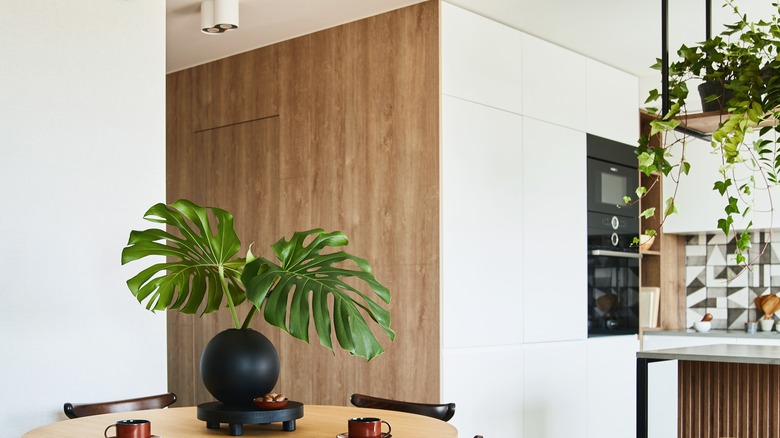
612, 103
611, 386
481, 234
554, 233
554, 85
482, 59
555, 390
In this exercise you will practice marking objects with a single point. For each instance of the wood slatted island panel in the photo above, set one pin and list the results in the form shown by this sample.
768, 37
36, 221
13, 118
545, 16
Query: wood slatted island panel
338, 129
724, 391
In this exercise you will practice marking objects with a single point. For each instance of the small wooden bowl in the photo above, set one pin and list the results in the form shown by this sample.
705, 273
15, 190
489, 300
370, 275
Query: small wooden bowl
645, 242
269, 406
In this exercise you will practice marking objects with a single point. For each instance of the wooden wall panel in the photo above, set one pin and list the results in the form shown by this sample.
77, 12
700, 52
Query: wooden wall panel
349, 128
723, 400
222, 95
672, 304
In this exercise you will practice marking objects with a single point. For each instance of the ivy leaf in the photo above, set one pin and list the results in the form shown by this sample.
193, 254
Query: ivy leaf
722, 186
732, 207
743, 242
725, 224
648, 213
670, 207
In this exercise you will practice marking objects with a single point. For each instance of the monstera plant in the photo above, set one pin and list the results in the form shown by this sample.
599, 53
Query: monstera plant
203, 273
206, 268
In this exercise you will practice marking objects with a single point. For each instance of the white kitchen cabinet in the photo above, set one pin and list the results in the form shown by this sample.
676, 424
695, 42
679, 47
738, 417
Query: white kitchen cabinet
700, 206
482, 236
612, 97
481, 59
555, 390
611, 368
554, 86
554, 239
486, 384
515, 354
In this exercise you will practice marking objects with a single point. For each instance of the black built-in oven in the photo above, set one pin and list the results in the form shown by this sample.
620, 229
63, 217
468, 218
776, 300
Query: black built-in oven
613, 260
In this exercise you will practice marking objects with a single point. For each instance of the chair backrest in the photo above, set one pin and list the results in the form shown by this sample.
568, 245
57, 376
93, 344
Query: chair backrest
133, 404
442, 412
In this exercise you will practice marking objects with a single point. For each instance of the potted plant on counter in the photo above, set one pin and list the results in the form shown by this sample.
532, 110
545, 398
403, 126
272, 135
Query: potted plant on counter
203, 273
744, 60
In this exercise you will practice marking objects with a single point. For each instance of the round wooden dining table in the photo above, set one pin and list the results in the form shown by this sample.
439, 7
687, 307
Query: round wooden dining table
317, 422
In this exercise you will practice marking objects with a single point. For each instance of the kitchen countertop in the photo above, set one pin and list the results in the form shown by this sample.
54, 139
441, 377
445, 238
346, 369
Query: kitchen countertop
714, 333
730, 353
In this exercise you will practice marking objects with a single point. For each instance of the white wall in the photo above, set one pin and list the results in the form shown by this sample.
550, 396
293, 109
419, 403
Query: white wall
82, 110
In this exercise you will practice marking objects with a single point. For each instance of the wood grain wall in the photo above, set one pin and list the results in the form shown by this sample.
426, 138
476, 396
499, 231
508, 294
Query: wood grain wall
338, 129
728, 400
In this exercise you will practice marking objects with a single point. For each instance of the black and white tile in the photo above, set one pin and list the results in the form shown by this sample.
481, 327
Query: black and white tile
716, 284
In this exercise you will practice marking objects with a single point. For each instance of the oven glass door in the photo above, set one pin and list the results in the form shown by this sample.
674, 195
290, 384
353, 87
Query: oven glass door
613, 294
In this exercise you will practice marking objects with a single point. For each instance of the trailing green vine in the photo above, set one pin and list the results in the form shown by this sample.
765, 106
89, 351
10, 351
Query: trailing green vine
743, 60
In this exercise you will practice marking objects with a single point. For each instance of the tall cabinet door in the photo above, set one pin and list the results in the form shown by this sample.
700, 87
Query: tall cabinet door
481, 236
555, 390
611, 368
554, 233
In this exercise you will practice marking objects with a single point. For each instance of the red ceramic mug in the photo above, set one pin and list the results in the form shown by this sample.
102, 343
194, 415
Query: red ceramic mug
367, 427
131, 429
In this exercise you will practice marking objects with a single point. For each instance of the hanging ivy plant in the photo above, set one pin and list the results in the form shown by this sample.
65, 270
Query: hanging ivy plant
743, 61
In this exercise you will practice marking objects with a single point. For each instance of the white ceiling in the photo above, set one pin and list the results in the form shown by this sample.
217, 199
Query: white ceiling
623, 33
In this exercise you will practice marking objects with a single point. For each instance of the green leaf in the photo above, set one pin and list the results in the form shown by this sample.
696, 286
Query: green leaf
658, 126
722, 186
743, 242
648, 213
670, 208
201, 264
725, 224
732, 207
307, 278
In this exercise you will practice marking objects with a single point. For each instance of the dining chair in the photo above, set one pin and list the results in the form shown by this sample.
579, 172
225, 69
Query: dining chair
442, 412
132, 404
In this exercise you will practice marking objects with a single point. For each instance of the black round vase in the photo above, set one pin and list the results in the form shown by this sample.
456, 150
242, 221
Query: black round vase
238, 365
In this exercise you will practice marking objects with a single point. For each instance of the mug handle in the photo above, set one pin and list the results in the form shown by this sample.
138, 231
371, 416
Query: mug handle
105, 432
389, 429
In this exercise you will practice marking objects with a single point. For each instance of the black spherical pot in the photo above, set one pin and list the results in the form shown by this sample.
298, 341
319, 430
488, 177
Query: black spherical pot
238, 365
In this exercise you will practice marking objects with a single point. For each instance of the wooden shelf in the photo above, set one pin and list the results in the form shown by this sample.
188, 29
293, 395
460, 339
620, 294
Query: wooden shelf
702, 124
664, 266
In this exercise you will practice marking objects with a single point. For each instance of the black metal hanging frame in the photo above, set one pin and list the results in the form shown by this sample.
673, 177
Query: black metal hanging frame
665, 48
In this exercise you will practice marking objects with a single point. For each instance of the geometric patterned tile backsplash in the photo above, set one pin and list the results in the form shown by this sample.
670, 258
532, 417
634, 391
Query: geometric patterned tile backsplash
715, 284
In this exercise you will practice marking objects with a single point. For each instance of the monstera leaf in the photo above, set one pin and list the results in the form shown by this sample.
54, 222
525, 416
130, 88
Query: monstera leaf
203, 266
304, 280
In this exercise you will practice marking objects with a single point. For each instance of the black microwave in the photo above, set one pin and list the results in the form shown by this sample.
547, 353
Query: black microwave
612, 174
